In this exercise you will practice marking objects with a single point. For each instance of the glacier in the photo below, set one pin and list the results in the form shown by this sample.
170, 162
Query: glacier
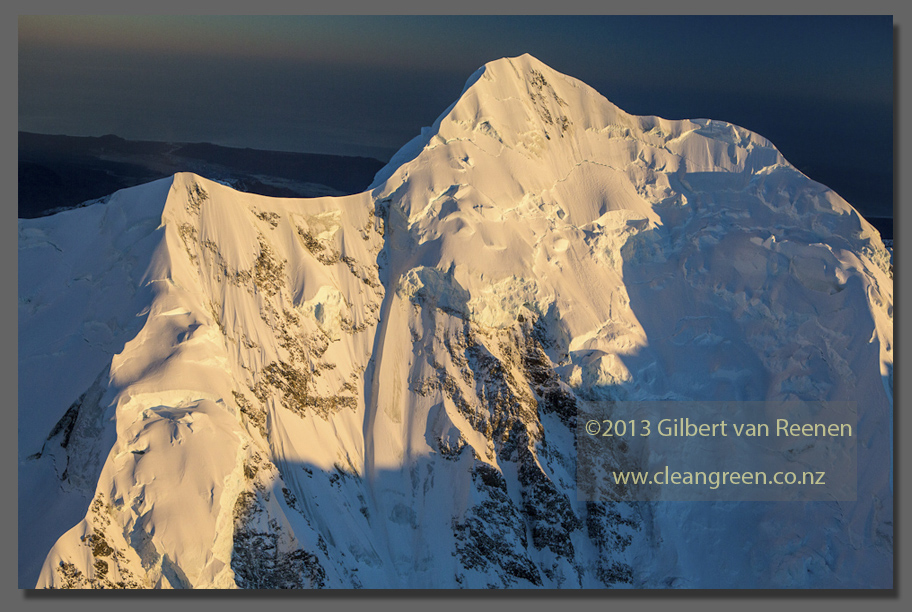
225, 390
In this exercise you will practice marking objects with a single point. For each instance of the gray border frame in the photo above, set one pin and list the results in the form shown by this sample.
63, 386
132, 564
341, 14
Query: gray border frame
446, 600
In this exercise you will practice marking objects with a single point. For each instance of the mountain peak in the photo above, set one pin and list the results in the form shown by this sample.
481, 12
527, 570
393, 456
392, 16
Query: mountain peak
538, 127
219, 389
516, 67
507, 98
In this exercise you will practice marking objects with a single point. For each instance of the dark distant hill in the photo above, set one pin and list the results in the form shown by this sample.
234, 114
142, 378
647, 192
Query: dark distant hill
884, 225
57, 172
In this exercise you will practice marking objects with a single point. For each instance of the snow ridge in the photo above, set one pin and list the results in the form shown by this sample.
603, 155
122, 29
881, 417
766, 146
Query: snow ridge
227, 390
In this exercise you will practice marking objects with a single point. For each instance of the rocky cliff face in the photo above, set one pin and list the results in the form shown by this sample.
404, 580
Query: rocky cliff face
381, 390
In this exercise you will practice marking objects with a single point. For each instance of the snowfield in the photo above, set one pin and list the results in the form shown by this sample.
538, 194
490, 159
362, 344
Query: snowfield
220, 390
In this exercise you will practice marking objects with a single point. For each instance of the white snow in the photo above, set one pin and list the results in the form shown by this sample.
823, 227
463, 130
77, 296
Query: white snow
666, 259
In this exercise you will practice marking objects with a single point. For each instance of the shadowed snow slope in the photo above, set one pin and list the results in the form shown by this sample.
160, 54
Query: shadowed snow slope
219, 389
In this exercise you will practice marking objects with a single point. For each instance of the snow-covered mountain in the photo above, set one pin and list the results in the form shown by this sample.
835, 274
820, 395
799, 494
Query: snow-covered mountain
218, 389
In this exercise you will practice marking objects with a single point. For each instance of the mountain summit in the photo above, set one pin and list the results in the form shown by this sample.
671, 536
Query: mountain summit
381, 390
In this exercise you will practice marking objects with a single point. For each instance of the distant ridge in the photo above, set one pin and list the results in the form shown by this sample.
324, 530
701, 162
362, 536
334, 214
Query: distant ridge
59, 172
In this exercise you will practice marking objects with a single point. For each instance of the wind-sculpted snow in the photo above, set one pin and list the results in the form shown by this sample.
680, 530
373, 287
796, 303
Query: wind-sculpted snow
226, 390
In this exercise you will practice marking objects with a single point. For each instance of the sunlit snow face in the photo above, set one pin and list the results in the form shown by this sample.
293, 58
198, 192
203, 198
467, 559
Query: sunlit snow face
383, 389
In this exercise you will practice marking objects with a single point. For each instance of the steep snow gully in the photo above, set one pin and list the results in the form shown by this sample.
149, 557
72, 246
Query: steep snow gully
382, 390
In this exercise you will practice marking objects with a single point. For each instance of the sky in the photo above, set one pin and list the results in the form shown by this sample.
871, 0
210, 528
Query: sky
819, 87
